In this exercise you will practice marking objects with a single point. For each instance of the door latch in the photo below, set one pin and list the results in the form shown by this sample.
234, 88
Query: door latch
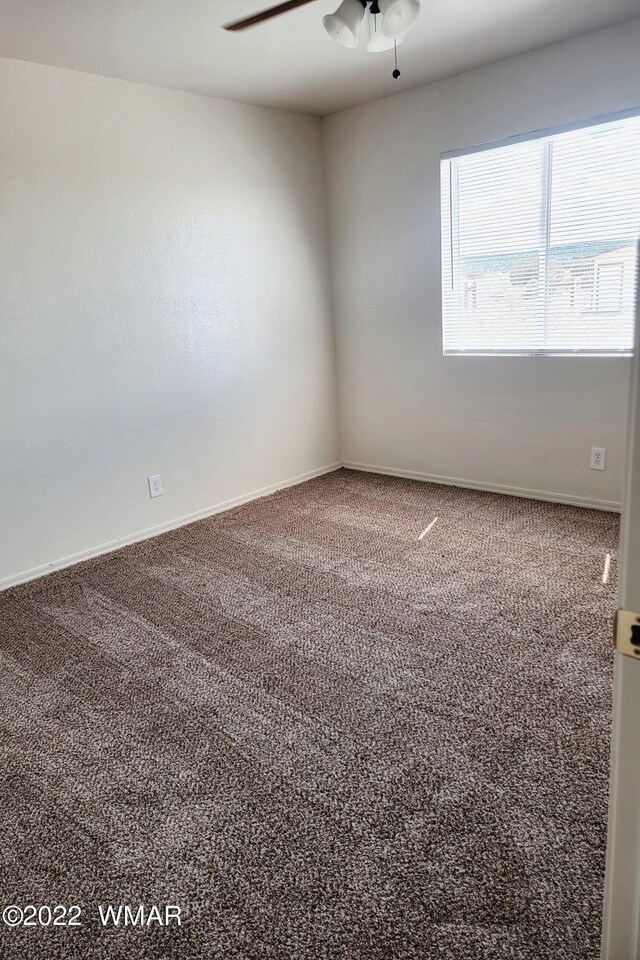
627, 633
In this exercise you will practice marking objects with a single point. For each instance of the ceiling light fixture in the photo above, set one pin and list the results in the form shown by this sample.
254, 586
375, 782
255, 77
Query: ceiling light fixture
343, 24
377, 41
387, 22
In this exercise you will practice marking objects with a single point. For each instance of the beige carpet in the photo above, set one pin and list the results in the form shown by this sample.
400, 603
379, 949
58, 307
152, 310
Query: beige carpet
319, 735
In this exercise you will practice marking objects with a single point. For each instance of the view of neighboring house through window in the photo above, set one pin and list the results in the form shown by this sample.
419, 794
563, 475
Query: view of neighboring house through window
539, 243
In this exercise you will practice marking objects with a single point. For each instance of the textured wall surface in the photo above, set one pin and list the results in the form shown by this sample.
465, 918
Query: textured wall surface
512, 422
165, 305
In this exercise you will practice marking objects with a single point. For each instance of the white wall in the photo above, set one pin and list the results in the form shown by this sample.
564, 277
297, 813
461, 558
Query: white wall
524, 423
164, 308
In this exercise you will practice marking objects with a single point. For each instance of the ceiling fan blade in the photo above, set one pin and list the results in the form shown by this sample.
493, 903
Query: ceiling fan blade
266, 14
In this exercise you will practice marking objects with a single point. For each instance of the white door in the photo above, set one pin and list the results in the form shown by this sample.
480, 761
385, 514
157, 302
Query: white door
621, 923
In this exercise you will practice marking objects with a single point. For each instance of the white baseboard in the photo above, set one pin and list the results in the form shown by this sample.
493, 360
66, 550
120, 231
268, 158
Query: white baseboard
610, 505
74, 558
36, 572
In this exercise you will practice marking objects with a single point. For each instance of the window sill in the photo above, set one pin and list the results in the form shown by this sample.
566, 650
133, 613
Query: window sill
580, 354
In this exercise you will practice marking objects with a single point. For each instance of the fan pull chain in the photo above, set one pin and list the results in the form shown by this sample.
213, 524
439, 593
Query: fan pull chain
396, 72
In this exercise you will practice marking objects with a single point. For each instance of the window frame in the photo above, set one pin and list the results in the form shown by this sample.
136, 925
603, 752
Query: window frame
537, 134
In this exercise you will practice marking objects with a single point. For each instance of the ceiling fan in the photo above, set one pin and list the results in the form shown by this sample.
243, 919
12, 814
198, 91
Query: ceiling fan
388, 22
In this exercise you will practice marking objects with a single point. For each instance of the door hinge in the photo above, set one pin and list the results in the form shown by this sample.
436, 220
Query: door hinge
627, 633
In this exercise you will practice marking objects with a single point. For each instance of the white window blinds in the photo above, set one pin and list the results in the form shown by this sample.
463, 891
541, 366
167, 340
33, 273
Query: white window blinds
539, 243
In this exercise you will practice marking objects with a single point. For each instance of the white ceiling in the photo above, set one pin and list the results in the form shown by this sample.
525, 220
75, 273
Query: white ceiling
290, 62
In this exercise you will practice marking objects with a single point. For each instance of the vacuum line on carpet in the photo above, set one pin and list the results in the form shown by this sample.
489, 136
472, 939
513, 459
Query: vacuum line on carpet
607, 567
426, 529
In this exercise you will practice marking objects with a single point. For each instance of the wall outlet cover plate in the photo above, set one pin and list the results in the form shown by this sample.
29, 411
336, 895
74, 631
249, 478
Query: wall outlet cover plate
155, 485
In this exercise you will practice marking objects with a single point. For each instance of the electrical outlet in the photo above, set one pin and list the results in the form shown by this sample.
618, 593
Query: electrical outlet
155, 485
598, 458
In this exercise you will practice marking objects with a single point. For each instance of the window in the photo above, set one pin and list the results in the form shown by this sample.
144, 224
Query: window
539, 243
